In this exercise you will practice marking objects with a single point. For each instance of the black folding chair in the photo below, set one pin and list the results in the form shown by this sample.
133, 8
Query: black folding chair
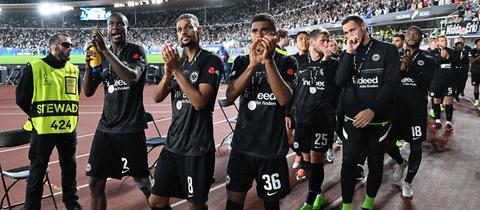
154, 142
12, 78
11, 139
224, 103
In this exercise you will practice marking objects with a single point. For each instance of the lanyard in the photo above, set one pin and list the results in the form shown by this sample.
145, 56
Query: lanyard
361, 62
193, 62
311, 69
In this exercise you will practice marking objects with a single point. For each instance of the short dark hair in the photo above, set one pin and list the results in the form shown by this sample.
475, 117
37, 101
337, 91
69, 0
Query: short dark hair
302, 32
265, 17
477, 40
416, 28
315, 33
282, 33
189, 16
399, 35
355, 18
120, 15
55, 38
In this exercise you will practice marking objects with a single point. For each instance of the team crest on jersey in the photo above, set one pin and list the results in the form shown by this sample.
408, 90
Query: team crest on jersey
376, 57
420, 63
194, 76
432, 94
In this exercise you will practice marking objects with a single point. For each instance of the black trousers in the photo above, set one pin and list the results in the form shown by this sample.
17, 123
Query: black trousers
461, 77
371, 140
41, 147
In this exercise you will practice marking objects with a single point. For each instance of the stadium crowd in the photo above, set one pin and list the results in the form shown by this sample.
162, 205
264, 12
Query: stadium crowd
152, 29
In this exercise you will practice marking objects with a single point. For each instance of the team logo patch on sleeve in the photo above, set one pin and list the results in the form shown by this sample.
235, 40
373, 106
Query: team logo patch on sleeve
211, 70
290, 71
136, 56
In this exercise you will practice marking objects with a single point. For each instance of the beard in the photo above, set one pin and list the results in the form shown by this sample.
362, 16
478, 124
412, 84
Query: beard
192, 42
414, 45
63, 56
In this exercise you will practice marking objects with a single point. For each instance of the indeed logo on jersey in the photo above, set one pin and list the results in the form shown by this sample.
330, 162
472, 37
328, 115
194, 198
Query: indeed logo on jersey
118, 85
366, 82
446, 66
320, 84
407, 81
263, 99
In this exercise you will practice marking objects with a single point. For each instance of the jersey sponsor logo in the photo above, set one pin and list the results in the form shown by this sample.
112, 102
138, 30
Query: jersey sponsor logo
194, 77
118, 85
407, 81
266, 96
376, 57
420, 62
366, 82
306, 82
446, 66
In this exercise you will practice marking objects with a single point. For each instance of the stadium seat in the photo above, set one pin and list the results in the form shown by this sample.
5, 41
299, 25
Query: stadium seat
154, 142
153, 74
12, 78
12, 139
224, 103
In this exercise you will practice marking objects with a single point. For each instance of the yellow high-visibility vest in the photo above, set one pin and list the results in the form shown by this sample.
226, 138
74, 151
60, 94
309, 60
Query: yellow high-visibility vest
55, 98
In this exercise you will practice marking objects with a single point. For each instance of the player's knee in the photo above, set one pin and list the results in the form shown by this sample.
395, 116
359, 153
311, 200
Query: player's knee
97, 185
236, 197
271, 204
198, 206
159, 203
317, 157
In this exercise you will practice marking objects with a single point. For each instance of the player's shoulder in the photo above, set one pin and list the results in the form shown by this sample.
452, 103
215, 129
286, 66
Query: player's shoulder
210, 56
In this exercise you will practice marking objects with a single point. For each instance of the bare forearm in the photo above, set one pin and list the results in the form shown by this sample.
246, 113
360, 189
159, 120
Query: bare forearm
198, 99
124, 72
89, 85
162, 90
279, 87
237, 86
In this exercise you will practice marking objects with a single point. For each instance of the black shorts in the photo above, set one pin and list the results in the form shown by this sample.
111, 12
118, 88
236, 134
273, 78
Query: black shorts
475, 77
187, 177
271, 175
118, 154
411, 128
314, 137
442, 90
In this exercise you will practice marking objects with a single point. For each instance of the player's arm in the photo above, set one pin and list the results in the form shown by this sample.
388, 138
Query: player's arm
242, 71
392, 76
473, 58
130, 73
345, 70
162, 90
24, 90
198, 97
89, 83
280, 88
